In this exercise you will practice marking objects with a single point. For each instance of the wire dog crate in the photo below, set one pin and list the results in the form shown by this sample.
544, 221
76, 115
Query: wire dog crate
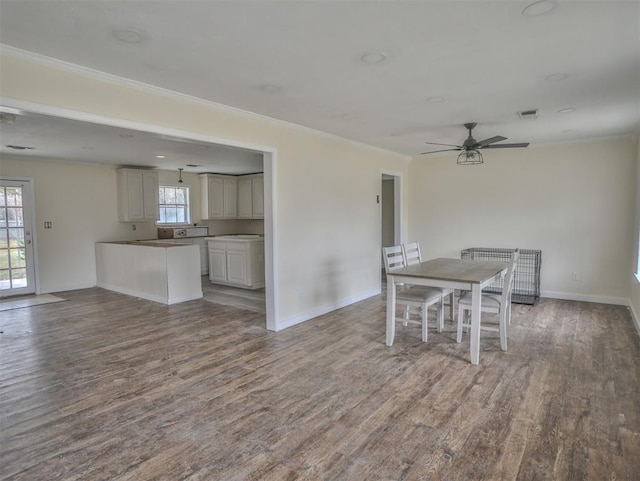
526, 279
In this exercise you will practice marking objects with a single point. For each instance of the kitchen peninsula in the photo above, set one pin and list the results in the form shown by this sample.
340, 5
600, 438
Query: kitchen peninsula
160, 272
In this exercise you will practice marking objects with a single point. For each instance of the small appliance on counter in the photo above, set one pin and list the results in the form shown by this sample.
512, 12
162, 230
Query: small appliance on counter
181, 232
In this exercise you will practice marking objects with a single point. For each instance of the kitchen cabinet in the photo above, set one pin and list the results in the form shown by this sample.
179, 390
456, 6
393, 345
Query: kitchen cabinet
237, 261
251, 197
138, 192
219, 196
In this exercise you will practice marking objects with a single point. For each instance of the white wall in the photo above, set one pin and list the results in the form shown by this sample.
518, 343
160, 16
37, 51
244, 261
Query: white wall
327, 224
574, 202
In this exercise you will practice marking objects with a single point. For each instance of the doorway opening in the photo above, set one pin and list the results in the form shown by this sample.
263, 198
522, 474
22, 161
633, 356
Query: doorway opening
391, 217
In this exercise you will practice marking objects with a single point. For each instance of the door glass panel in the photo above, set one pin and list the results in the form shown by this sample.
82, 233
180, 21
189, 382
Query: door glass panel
4, 258
3, 216
16, 257
14, 217
18, 278
4, 242
16, 237
14, 196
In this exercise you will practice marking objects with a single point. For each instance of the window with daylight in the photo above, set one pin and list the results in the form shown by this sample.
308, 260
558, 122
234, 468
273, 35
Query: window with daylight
174, 205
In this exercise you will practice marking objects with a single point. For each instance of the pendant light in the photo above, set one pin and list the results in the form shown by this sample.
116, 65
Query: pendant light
180, 178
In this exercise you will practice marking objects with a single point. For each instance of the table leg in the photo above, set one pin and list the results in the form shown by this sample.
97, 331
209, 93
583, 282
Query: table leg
391, 310
476, 302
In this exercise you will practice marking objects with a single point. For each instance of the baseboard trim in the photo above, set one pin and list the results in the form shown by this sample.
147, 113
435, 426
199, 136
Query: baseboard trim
619, 301
634, 318
325, 309
52, 290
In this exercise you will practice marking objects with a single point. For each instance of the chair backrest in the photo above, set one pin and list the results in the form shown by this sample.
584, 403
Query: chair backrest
411, 253
508, 279
393, 258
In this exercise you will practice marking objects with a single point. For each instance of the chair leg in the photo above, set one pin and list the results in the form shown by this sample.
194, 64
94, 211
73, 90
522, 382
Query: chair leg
451, 302
460, 321
440, 318
503, 329
425, 316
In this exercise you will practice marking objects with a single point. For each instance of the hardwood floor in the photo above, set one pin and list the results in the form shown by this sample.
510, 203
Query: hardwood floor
251, 299
106, 386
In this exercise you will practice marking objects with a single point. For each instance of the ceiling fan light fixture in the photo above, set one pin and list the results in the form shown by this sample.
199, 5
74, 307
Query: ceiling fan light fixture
180, 175
470, 157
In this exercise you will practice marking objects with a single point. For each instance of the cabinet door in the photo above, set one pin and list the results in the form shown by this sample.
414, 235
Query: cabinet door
216, 197
217, 265
135, 195
150, 195
245, 207
237, 267
230, 200
257, 194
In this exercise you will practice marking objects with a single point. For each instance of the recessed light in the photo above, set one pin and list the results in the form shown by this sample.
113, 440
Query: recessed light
374, 57
539, 8
161, 156
435, 99
270, 88
568, 110
128, 35
556, 77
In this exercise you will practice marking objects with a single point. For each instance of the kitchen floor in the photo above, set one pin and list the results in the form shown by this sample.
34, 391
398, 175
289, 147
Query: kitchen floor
252, 300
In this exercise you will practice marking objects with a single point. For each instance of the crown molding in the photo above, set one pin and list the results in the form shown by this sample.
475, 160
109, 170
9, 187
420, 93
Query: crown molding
62, 65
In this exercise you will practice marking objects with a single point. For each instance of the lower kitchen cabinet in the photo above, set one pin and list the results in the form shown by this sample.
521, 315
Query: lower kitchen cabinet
237, 261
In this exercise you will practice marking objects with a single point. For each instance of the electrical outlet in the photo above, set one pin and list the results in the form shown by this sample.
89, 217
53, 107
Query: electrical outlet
575, 276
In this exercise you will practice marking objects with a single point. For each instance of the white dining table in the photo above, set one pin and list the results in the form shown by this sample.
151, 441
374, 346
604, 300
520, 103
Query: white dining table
464, 274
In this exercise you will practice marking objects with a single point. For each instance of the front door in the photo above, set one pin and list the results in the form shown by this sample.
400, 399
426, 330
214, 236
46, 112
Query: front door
17, 272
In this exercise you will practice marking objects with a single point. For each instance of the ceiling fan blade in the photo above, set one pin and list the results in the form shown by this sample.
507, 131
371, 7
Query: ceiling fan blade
506, 146
491, 140
436, 151
447, 145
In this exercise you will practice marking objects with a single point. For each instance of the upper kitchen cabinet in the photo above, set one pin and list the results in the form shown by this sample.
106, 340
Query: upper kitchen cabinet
138, 192
219, 196
251, 197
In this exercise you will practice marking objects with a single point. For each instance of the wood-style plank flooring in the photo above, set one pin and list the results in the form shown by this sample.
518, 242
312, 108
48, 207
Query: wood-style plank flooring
109, 387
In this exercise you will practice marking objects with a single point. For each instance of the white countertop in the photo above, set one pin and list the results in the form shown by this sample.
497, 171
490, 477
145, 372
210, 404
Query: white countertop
237, 238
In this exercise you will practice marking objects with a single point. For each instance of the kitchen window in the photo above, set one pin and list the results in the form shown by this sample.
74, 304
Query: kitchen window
174, 205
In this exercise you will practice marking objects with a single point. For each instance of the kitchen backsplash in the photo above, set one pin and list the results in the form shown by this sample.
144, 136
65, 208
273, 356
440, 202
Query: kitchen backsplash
234, 226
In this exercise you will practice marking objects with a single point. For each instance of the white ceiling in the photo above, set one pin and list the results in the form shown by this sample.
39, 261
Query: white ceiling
301, 62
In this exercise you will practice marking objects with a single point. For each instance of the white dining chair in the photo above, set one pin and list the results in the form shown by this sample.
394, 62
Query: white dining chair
413, 255
413, 296
499, 304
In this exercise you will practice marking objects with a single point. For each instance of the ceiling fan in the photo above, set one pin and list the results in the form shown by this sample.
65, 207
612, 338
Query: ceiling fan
470, 149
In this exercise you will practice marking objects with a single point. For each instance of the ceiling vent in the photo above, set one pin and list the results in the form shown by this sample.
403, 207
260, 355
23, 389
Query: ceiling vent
528, 114
19, 147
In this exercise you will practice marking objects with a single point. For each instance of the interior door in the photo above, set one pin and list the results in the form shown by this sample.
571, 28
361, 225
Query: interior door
17, 271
